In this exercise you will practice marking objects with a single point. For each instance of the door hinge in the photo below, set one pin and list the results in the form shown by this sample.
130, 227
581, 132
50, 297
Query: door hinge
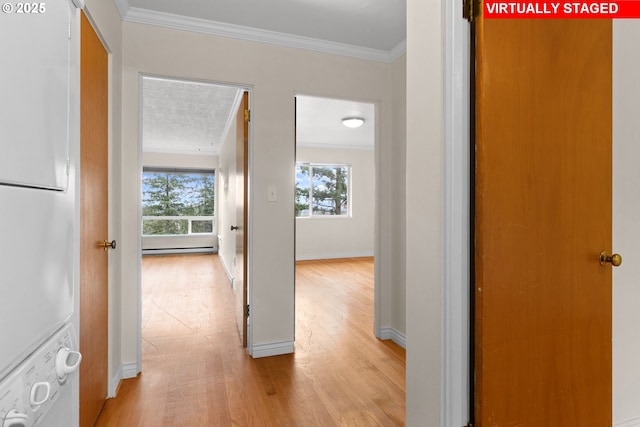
468, 425
248, 310
471, 9
247, 115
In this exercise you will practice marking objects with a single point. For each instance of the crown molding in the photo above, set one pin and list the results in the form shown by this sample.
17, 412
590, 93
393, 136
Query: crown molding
398, 50
178, 22
123, 7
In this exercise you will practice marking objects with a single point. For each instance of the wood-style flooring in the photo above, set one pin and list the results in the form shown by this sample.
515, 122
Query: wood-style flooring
195, 372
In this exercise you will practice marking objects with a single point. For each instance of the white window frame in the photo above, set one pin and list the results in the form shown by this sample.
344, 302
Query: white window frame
311, 165
189, 219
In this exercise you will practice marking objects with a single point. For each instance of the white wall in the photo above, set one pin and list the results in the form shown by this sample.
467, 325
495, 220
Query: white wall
275, 74
187, 161
424, 196
226, 190
340, 237
626, 227
397, 182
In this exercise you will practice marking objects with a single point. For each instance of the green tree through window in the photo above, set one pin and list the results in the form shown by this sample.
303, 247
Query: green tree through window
172, 194
322, 190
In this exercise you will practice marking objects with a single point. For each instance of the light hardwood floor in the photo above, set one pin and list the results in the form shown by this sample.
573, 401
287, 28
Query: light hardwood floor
195, 372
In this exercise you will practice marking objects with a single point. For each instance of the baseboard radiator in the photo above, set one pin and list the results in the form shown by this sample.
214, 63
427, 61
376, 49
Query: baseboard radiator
178, 251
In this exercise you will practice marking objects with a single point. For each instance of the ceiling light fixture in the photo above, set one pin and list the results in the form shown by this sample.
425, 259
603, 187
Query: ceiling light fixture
353, 122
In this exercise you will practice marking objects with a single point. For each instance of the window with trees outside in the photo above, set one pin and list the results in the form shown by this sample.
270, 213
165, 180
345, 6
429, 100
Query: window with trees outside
322, 190
177, 201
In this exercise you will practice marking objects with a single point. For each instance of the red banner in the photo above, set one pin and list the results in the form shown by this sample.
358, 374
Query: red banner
561, 9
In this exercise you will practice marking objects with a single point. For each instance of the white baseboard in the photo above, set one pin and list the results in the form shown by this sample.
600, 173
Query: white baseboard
271, 349
225, 267
395, 336
629, 423
308, 257
126, 370
130, 370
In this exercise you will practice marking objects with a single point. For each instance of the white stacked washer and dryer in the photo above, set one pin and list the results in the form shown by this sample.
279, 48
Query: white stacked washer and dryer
39, 119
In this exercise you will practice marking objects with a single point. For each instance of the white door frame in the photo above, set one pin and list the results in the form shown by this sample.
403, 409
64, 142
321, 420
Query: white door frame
378, 330
248, 207
457, 241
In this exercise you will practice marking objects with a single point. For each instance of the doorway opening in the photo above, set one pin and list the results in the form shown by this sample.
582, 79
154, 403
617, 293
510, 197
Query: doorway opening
335, 192
188, 142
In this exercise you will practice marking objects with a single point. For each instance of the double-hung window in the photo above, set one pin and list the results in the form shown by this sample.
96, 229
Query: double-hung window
177, 201
323, 190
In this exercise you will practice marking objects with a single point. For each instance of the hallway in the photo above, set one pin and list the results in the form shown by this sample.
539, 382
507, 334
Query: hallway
196, 373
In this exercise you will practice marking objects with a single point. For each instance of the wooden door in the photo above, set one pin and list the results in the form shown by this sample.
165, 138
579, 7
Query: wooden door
242, 163
543, 215
94, 85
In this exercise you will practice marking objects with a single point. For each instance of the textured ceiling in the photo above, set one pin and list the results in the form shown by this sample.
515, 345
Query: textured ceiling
194, 117
185, 117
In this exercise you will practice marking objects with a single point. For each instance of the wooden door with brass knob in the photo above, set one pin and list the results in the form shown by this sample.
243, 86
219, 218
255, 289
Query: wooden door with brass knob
543, 303
94, 132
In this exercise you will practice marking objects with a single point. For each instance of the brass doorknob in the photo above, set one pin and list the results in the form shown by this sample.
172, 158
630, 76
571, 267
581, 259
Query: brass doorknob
106, 244
614, 259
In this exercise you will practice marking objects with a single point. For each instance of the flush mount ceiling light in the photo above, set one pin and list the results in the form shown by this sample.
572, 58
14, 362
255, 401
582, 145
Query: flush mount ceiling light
353, 122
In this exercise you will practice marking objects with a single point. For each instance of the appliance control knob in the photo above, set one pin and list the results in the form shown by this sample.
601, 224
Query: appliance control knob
15, 419
67, 362
39, 393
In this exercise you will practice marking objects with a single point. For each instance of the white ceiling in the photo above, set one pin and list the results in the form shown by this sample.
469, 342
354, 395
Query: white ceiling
193, 117
319, 123
369, 29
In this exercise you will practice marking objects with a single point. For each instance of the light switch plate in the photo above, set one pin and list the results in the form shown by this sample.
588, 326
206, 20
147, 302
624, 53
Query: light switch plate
272, 193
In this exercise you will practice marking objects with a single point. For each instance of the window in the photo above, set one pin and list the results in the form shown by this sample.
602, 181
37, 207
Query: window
322, 190
177, 201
